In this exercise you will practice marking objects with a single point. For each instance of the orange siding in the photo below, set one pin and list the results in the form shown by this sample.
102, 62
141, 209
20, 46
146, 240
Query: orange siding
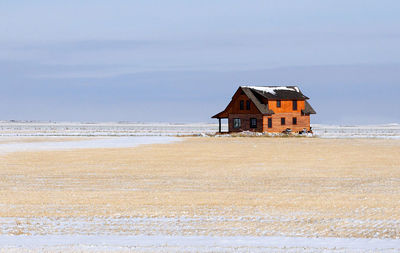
303, 121
286, 106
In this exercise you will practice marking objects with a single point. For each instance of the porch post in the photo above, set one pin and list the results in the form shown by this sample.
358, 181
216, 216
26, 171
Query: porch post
219, 127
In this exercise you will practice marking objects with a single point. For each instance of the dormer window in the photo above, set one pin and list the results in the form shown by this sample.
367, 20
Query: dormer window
278, 103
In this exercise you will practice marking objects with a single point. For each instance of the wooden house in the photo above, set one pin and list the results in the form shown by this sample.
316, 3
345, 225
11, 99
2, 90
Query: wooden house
267, 109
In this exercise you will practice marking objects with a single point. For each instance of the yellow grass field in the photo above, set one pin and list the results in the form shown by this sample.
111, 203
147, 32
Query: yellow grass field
307, 187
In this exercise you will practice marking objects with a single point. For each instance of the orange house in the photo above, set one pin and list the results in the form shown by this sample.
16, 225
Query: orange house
267, 109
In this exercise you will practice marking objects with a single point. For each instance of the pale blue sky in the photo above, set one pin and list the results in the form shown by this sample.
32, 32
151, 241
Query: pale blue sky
183, 60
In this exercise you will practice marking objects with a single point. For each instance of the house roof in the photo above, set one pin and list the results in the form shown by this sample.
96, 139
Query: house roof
308, 109
278, 92
261, 107
255, 94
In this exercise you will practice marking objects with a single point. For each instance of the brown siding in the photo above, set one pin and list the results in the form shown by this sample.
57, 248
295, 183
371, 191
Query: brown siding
245, 122
234, 107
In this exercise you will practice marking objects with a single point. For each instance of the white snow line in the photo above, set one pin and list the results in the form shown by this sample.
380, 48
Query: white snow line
160, 241
272, 90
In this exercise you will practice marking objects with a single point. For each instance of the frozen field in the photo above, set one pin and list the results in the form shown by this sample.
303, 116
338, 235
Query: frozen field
75, 193
391, 131
165, 243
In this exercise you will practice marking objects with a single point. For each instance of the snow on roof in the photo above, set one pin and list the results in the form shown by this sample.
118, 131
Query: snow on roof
272, 89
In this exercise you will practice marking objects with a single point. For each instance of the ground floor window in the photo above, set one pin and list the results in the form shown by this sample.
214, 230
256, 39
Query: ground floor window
269, 122
253, 123
283, 121
294, 121
236, 123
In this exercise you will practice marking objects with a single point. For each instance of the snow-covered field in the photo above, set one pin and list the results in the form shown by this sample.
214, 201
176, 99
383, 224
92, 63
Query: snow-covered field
8, 128
103, 129
165, 243
389, 131
63, 201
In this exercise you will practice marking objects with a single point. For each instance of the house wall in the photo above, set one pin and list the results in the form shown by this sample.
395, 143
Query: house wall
303, 121
286, 111
234, 107
286, 106
245, 122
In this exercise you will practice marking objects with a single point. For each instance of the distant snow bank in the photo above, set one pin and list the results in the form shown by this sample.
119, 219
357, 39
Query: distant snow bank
390, 131
104, 129
194, 243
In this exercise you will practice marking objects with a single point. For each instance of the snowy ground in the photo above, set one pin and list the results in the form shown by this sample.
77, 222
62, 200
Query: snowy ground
8, 128
179, 233
389, 131
166, 243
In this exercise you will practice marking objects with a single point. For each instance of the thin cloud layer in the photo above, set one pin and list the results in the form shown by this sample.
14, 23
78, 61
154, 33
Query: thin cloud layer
100, 55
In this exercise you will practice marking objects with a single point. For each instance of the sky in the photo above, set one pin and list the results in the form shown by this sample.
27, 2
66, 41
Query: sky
181, 61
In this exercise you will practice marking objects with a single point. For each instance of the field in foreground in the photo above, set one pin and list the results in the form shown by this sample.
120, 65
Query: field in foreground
230, 193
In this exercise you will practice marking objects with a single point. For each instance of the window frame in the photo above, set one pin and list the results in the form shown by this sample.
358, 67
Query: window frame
294, 104
251, 123
248, 105
283, 121
235, 125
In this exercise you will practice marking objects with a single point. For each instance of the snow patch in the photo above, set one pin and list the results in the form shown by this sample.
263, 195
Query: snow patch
272, 90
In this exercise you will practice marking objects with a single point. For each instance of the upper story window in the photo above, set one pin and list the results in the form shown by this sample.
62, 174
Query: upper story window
278, 103
294, 105
236, 123
253, 123
248, 105
241, 104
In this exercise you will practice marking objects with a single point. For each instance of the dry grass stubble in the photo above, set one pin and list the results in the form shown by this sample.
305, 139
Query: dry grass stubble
223, 186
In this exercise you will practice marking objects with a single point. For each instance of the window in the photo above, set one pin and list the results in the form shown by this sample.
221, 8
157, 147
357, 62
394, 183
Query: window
253, 123
236, 123
294, 105
278, 103
241, 104
269, 122
283, 121
248, 105
294, 121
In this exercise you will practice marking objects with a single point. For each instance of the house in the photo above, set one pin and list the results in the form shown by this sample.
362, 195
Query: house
267, 109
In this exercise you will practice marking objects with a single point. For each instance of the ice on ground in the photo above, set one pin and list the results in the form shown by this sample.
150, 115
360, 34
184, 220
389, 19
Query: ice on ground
104, 142
196, 243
